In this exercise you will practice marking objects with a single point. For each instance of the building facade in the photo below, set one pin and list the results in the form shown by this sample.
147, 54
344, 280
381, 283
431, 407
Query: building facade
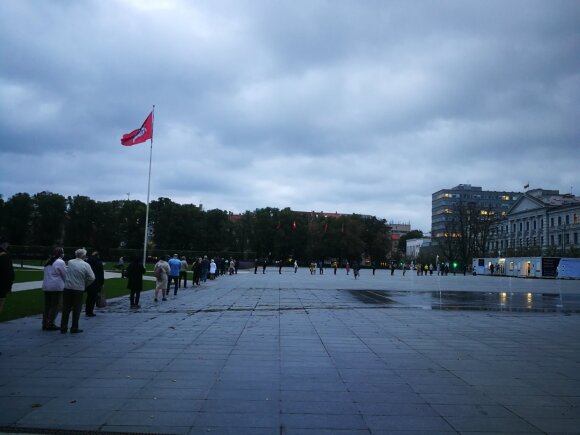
445, 201
540, 219
414, 246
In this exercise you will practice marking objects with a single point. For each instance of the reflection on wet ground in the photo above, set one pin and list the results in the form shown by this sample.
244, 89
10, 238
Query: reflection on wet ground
469, 300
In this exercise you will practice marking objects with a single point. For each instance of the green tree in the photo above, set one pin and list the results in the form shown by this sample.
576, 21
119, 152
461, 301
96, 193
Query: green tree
131, 223
243, 232
352, 243
290, 235
164, 217
376, 239
79, 229
48, 219
266, 225
217, 234
18, 216
105, 226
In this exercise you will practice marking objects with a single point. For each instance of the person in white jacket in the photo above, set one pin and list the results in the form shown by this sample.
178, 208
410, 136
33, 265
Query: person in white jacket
52, 287
212, 269
78, 276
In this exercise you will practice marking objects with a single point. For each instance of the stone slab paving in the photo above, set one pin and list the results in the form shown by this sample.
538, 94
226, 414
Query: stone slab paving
299, 354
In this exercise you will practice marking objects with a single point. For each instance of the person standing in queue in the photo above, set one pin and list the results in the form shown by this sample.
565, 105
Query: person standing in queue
196, 268
79, 276
174, 269
183, 272
96, 286
134, 274
52, 286
204, 268
161, 272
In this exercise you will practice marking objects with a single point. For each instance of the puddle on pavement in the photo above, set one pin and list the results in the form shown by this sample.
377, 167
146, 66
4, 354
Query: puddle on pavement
467, 300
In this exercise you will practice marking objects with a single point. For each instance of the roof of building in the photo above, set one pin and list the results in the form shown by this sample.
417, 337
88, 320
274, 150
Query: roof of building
553, 197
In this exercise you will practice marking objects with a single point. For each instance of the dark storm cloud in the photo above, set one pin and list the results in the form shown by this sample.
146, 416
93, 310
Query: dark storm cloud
364, 107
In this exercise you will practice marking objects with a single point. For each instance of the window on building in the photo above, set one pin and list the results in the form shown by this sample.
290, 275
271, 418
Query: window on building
575, 238
559, 239
567, 219
542, 223
534, 224
521, 226
527, 225
566, 239
552, 240
575, 220
551, 222
559, 221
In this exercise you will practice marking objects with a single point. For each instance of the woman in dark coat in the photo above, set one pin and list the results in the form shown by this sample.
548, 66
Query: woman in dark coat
134, 274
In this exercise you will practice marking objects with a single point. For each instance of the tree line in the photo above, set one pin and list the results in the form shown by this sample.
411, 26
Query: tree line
48, 219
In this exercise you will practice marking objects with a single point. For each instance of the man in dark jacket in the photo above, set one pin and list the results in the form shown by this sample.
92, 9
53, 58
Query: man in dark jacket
204, 268
6, 271
96, 286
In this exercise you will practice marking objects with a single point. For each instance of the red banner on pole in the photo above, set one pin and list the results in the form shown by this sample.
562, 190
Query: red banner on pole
141, 134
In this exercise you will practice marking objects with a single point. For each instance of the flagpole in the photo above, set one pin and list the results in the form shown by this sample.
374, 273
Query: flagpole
148, 190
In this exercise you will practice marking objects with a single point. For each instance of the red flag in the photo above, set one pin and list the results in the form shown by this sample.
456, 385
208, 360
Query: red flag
141, 134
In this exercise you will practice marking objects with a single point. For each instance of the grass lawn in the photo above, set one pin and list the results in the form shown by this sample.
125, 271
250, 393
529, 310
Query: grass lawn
31, 302
26, 275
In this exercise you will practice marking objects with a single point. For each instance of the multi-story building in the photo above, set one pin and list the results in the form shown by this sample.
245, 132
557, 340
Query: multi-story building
414, 246
397, 231
543, 219
445, 201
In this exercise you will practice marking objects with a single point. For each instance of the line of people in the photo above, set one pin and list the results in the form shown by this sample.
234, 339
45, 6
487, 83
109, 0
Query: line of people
172, 270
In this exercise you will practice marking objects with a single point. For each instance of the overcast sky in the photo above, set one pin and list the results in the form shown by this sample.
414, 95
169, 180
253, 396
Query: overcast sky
351, 106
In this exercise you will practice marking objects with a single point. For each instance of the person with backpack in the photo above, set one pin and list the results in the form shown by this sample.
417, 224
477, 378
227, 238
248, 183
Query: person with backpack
161, 272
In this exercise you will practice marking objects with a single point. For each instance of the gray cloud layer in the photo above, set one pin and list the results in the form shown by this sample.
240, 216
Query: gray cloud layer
364, 107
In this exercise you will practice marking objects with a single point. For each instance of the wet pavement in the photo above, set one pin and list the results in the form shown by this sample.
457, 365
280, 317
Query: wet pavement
302, 354
470, 300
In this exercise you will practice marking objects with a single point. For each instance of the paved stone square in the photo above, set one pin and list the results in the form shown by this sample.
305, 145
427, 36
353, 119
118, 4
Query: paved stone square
301, 354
